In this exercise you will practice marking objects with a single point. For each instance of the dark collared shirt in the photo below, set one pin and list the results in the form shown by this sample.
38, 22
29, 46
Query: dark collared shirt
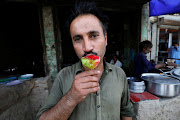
109, 103
142, 65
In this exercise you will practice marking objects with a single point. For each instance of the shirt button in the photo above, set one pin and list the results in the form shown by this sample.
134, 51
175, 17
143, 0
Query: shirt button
98, 106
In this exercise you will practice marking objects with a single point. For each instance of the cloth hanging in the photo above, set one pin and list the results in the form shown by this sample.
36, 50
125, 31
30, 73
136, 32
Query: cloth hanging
163, 7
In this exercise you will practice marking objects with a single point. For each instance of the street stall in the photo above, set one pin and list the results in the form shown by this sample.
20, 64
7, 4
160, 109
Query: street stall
156, 96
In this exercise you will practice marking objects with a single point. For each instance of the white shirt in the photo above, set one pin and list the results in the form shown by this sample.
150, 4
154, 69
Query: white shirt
118, 63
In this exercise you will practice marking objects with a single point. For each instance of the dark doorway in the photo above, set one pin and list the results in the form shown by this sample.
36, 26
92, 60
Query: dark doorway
20, 45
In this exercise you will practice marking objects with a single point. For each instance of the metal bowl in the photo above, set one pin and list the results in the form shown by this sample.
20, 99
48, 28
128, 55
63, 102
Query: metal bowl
161, 85
135, 85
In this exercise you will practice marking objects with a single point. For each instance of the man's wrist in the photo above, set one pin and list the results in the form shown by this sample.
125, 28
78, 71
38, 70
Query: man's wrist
166, 63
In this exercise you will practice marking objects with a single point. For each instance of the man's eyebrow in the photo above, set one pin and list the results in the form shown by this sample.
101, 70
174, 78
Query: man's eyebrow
75, 36
92, 32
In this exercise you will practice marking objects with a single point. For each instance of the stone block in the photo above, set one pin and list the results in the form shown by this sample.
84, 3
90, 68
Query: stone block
39, 94
18, 111
162, 109
9, 95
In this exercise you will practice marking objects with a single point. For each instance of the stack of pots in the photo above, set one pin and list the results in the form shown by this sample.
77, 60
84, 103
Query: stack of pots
135, 85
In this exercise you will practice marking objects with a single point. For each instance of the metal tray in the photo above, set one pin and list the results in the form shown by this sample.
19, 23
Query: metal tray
159, 78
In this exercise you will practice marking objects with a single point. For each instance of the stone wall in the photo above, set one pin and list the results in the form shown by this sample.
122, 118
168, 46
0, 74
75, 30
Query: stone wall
22, 101
14, 101
162, 109
18, 111
39, 94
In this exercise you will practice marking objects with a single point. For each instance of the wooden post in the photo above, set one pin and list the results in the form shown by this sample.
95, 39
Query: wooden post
50, 52
163, 21
155, 41
145, 25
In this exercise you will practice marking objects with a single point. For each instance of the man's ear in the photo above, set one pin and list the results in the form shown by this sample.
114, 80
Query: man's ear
144, 49
105, 35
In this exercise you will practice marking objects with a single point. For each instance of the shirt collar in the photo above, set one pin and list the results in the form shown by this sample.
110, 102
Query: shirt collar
143, 54
79, 68
107, 67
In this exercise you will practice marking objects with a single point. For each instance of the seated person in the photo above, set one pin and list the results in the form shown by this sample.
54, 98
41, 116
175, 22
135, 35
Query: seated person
115, 61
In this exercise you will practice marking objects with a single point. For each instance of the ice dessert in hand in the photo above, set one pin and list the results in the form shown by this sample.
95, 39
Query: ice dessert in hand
90, 61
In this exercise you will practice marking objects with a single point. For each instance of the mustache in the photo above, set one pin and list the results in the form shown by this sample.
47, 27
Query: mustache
90, 52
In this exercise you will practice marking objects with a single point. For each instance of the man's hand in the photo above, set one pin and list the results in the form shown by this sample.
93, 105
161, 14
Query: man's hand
126, 118
172, 64
84, 84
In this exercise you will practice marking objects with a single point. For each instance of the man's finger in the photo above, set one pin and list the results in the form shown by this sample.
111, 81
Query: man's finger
92, 90
89, 79
89, 85
88, 73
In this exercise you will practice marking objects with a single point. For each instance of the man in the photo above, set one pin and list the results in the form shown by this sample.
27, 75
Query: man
115, 61
79, 93
175, 53
142, 65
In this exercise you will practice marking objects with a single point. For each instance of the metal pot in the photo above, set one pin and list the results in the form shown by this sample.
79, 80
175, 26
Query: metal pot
161, 85
135, 85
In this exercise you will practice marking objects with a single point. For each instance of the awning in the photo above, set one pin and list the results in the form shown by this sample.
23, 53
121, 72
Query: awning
163, 7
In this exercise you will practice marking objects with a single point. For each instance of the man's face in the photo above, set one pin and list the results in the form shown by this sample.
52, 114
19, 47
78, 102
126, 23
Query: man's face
87, 36
114, 58
175, 45
147, 50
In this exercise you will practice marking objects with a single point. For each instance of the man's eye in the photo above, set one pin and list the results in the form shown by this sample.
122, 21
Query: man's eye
94, 36
77, 39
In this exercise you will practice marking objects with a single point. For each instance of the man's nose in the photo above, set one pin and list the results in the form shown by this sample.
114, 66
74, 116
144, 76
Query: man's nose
87, 45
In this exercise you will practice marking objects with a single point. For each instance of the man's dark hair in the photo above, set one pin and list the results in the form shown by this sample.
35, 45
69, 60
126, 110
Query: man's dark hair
175, 43
83, 8
145, 44
115, 55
